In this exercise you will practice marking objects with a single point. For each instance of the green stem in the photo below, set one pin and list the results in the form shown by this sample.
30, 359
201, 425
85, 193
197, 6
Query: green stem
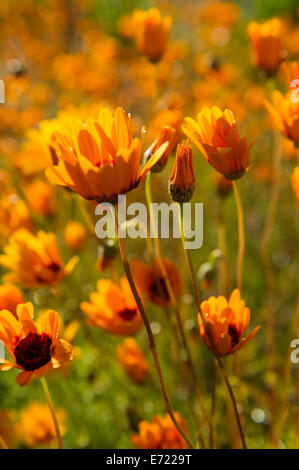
241, 235
150, 335
207, 332
52, 410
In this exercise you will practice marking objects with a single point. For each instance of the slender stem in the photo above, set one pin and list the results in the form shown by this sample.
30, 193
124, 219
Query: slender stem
151, 339
207, 332
52, 410
172, 298
241, 235
213, 405
3, 444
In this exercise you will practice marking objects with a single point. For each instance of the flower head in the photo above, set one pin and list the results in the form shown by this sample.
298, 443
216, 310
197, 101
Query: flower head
75, 235
99, 159
182, 182
36, 426
35, 348
267, 50
227, 322
285, 114
216, 135
150, 282
160, 433
132, 360
167, 134
34, 261
151, 31
113, 308
40, 197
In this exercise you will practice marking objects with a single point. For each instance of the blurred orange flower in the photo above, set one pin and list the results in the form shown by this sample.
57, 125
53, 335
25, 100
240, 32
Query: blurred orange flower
34, 260
10, 297
100, 159
182, 181
227, 322
150, 282
113, 308
34, 347
216, 135
40, 196
132, 360
160, 433
151, 31
36, 427
285, 114
267, 50
75, 235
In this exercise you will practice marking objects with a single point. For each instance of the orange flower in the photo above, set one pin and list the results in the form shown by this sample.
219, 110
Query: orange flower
132, 360
36, 425
10, 297
34, 261
151, 32
14, 214
285, 114
182, 182
150, 282
295, 183
290, 71
160, 433
35, 348
216, 135
227, 322
113, 308
40, 197
266, 44
75, 235
8, 428
100, 159
167, 134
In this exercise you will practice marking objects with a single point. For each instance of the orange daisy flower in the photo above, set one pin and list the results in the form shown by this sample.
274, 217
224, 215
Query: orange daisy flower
36, 425
151, 32
113, 308
132, 360
216, 135
182, 181
150, 282
34, 261
35, 348
160, 433
100, 159
167, 134
267, 49
75, 235
227, 322
285, 114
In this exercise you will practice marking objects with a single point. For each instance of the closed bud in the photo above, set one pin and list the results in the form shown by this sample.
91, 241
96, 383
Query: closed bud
182, 182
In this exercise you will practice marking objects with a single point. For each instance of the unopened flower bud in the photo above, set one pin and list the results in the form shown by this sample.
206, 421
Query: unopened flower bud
182, 182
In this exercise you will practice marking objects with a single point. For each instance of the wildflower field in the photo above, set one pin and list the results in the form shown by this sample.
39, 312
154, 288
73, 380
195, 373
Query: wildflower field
138, 340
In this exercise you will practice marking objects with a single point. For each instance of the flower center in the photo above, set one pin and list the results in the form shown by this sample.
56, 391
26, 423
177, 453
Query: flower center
158, 291
233, 334
128, 314
34, 351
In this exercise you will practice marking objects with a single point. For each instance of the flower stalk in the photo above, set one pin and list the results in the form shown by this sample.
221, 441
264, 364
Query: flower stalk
52, 411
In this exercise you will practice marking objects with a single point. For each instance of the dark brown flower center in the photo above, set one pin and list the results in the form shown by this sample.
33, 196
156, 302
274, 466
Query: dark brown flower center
158, 291
128, 314
233, 334
34, 351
